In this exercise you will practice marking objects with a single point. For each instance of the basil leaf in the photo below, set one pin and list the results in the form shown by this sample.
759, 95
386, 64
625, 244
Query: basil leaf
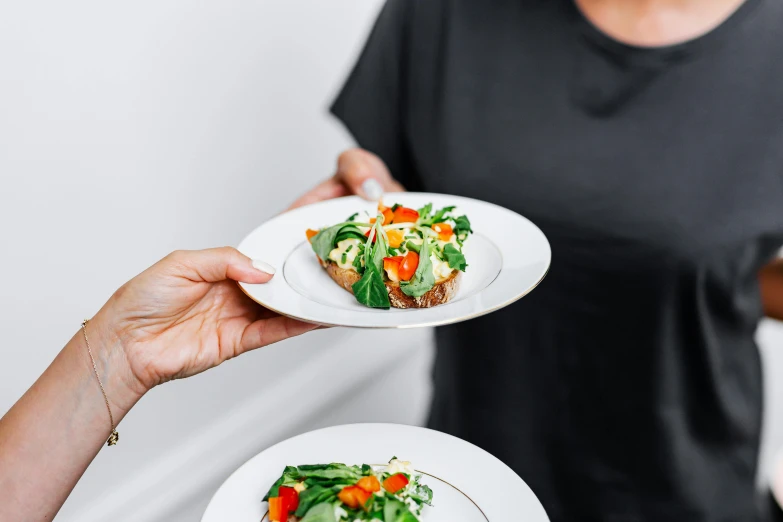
323, 512
370, 290
423, 279
454, 257
396, 511
462, 225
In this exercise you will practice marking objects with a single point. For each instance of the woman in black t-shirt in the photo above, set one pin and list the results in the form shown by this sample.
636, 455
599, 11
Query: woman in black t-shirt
646, 140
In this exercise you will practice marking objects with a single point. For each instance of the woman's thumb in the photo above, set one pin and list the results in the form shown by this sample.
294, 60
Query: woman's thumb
218, 264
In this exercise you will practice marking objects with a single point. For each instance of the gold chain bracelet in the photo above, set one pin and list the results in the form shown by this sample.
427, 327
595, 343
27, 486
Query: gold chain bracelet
114, 437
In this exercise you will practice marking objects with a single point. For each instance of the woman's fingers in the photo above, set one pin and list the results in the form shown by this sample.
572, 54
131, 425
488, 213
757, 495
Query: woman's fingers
272, 330
328, 189
365, 174
218, 264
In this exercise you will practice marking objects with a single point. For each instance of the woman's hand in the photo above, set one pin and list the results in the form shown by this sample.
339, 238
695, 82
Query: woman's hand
358, 172
186, 314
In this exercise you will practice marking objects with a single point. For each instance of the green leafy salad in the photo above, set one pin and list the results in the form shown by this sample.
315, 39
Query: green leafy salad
400, 251
336, 493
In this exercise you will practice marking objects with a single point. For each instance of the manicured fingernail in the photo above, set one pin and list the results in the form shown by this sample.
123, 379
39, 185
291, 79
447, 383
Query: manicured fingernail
264, 267
372, 189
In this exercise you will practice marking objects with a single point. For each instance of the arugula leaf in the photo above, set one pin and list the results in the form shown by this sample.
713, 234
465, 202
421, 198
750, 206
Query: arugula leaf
323, 512
396, 511
423, 279
454, 257
421, 494
462, 225
357, 261
424, 212
410, 245
370, 290
439, 216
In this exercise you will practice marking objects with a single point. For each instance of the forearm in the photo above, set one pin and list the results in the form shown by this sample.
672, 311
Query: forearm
771, 283
51, 435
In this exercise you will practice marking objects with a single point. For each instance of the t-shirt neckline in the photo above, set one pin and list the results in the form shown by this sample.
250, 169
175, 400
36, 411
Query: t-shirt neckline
659, 53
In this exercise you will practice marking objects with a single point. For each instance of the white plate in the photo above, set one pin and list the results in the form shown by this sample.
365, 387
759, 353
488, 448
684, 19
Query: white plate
507, 257
468, 484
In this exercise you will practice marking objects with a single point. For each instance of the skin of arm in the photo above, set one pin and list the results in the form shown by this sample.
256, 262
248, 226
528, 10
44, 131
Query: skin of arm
771, 284
180, 317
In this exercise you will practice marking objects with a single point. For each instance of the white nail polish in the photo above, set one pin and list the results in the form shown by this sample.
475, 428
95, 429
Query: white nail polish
264, 267
372, 189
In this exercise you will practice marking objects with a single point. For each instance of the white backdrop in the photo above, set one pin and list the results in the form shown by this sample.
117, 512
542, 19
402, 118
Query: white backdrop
129, 130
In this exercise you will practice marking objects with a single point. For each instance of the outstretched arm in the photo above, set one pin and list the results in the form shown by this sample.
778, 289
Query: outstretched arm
180, 317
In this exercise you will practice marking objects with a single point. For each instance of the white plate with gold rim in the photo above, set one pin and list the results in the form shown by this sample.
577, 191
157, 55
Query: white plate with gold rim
507, 257
468, 484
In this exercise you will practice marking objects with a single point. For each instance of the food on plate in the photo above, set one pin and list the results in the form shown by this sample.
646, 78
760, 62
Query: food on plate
401, 258
336, 492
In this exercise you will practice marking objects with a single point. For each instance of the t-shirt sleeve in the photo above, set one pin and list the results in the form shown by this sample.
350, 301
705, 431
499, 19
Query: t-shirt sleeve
371, 103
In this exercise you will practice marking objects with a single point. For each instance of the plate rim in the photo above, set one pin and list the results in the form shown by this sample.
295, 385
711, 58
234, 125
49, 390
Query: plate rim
425, 324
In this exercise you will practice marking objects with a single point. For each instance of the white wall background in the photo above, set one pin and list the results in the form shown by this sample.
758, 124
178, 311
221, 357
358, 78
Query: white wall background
129, 130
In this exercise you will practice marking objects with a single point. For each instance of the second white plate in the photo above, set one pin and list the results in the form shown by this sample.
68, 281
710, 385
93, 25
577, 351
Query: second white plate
507, 257
468, 484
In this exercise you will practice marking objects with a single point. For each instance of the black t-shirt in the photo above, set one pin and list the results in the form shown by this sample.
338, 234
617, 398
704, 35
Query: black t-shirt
627, 387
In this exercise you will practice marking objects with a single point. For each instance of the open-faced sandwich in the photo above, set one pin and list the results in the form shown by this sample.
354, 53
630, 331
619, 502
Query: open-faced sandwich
402, 257
336, 492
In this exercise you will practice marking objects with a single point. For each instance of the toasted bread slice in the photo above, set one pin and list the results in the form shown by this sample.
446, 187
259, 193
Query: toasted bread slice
442, 292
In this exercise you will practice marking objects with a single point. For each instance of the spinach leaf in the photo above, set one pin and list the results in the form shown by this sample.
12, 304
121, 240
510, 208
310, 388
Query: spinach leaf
323, 242
462, 225
423, 279
311, 496
396, 511
344, 472
323, 512
289, 477
454, 257
370, 290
